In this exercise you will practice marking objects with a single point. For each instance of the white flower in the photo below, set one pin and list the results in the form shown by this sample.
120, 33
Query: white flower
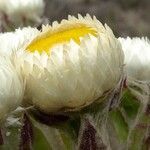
137, 57
17, 10
11, 87
12, 41
71, 64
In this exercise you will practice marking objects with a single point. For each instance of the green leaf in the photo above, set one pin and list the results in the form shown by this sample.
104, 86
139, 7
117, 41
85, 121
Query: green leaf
119, 124
39, 140
130, 104
54, 137
140, 133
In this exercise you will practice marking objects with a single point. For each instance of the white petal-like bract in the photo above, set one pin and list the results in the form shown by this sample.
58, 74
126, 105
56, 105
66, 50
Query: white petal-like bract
13, 41
71, 64
11, 87
137, 57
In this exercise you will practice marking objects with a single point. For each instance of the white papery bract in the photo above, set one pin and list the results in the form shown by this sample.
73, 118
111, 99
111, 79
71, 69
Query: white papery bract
70, 65
13, 41
137, 57
17, 10
11, 87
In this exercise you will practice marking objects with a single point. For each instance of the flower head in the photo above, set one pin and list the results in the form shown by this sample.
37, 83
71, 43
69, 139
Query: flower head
11, 87
137, 57
71, 64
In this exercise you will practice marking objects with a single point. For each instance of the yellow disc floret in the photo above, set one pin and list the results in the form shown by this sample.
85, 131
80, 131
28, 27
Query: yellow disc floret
63, 34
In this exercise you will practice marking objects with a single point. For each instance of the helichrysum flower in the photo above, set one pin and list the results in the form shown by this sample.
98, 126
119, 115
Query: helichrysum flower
11, 87
137, 57
71, 64
17, 10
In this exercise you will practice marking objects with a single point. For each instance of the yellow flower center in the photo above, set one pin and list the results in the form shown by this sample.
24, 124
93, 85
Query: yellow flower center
63, 34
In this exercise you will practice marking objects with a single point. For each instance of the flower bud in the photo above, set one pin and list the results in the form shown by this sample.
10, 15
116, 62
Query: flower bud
71, 64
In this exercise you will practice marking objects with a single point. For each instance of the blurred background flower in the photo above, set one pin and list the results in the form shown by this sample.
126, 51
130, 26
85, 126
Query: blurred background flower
11, 87
19, 13
137, 57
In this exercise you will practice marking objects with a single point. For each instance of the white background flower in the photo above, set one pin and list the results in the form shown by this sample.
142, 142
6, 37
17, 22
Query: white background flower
17, 10
137, 57
11, 87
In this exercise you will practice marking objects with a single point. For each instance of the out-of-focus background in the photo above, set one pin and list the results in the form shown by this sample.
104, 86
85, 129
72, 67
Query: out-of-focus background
125, 17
